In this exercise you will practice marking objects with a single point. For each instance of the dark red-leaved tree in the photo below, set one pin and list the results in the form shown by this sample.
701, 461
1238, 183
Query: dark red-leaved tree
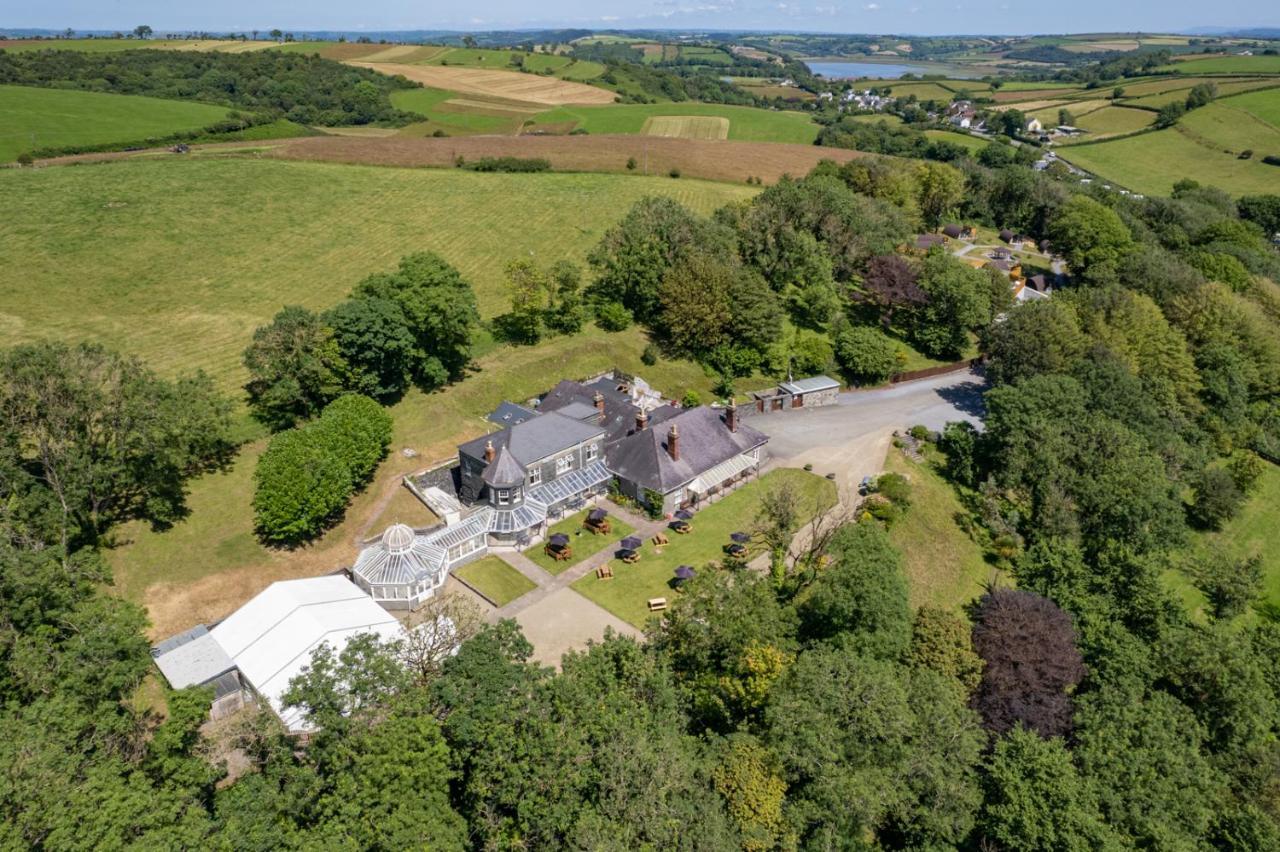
1032, 663
891, 283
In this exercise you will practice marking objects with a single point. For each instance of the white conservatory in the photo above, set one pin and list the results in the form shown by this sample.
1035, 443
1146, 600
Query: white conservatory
405, 567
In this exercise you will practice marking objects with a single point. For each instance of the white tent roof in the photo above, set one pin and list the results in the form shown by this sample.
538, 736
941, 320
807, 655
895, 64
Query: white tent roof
272, 637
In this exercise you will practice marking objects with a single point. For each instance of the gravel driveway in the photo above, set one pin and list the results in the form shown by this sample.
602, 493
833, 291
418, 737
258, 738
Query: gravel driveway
851, 438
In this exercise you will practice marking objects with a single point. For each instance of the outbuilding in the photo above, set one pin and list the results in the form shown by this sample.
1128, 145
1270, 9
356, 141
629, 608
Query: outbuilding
272, 638
812, 392
194, 658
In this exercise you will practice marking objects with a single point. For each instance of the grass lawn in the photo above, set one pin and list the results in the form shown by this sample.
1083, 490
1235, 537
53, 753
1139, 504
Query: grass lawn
945, 568
1151, 162
126, 253
495, 579
584, 544
746, 124
32, 118
1253, 532
627, 594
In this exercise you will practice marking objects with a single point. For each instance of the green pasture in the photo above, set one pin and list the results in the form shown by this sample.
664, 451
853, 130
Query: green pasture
973, 143
1114, 120
127, 253
746, 124
627, 593
1227, 65
1151, 162
33, 118
451, 118
561, 66
1237, 124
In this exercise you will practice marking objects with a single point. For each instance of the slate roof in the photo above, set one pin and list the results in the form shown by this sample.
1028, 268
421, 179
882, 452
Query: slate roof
619, 411
580, 410
809, 385
504, 470
705, 442
191, 658
927, 241
536, 439
508, 414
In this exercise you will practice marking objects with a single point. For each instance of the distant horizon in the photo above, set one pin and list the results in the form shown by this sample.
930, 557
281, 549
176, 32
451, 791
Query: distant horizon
825, 17
161, 30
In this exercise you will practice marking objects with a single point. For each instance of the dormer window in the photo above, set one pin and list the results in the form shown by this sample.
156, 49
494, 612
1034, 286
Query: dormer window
593, 451
564, 464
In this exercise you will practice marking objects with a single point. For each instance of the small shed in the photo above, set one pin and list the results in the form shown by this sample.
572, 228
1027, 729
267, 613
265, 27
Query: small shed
194, 658
957, 232
924, 242
1006, 235
812, 392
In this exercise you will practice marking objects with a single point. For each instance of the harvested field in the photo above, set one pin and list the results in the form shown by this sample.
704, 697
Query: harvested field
503, 84
687, 127
398, 53
695, 158
496, 106
1014, 96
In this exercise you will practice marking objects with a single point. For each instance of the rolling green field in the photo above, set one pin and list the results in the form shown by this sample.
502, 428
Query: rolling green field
1228, 65
973, 143
454, 119
33, 118
1205, 145
126, 253
1114, 120
746, 124
564, 67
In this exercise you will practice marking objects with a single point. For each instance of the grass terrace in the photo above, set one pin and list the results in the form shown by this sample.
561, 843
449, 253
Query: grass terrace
495, 579
628, 593
585, 544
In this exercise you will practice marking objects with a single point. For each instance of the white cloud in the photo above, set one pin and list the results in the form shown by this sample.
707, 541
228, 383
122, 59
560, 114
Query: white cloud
871, 7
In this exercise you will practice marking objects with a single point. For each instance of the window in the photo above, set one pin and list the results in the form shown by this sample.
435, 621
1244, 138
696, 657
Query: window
593, 450
460, 550
504, 497
564, 464
535, 475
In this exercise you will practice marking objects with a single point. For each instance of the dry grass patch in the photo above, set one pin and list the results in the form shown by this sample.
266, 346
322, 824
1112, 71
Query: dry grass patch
687, 127
504, 84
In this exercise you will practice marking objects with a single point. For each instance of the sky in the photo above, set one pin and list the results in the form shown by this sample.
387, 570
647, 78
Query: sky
917, 17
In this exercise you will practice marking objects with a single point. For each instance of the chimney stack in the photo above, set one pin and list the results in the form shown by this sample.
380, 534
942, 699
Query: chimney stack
642, 420
731, 416
488, 452
598, 401
673, 443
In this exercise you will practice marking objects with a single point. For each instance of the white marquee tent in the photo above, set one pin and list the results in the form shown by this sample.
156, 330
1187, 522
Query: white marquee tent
272, 637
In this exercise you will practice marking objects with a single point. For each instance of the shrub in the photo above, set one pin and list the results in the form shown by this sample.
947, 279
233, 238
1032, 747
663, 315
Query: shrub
25, 159
509, 164
631, 164
691, 399
652, 504
894, 488
357, 430
649, 356
438, 133
612, 316
300, 486
675, 173
307, 475
919, 432
865, 354
1217, 499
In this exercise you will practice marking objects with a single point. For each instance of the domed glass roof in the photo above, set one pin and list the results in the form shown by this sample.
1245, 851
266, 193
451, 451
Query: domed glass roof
398, 539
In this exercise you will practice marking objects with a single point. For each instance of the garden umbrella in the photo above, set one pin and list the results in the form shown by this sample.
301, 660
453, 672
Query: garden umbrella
740, 537
685, 572
631, 543
558, 540
626, 553
684, 515
598, 515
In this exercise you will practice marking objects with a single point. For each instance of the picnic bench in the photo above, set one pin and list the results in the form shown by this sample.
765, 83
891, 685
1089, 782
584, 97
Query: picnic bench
559, 554
660, 539
632, 557
598, 527
657, 604
604, 572
682, 527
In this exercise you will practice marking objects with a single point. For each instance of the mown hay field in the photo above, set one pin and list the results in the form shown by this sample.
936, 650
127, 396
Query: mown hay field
687, 127
746, 124
32, 118
1114, 120
1235, 125
1228, 65
549, 91
130, 253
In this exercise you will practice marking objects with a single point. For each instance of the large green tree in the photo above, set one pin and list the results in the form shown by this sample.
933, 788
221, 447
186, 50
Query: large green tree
1092, 238
294, 367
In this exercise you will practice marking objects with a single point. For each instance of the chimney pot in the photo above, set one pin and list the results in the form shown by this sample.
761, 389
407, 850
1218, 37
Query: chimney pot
598, 402
673, 443
642, 420
488, 452
731, 416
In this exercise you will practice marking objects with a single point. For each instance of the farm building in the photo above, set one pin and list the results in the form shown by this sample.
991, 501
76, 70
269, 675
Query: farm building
404, 567
812, 392
690, 458
1034, 126
271, 638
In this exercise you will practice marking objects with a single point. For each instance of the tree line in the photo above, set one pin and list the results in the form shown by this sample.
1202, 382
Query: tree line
301, 88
